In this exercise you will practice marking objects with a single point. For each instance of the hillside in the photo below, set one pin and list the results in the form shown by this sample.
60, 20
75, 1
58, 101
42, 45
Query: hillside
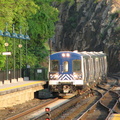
90, 25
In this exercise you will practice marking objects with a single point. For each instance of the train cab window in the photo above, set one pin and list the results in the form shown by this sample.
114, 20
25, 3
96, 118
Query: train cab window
54, 65
76, 65
65, 66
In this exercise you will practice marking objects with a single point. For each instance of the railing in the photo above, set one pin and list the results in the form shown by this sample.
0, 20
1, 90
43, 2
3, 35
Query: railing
31, 73
3, 75
35, 73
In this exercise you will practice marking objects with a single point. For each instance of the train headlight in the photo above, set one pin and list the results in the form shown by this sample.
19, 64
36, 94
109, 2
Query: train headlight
51, 76
63, 54
77, 76
67, 55
54, 76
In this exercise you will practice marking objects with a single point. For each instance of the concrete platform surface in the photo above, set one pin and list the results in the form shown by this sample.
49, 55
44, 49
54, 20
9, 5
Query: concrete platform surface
18, 93
13, 87
114, 117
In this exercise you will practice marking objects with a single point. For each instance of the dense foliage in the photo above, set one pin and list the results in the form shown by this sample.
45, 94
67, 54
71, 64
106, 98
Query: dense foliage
37, 19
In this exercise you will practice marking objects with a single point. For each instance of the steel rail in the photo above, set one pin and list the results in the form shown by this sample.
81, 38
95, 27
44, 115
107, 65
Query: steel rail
31, 110
75, 113
99, 101
102, 88
112, 110
80, 117
57, 111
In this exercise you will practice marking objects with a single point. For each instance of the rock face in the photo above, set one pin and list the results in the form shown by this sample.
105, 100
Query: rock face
90, 25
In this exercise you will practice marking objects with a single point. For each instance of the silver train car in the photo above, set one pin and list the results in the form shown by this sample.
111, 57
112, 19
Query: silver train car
70, 71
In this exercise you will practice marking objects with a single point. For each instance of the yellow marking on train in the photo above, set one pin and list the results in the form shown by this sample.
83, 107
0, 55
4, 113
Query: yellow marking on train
8, 88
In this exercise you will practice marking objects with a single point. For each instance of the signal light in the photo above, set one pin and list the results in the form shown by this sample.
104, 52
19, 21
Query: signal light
47, 110
47, 119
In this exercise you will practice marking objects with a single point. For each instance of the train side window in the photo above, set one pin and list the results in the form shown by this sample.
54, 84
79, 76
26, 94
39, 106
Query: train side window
54, 65
65, 66
76, 65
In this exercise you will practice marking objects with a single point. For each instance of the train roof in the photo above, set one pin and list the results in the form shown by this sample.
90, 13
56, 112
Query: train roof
93, 54
83, 53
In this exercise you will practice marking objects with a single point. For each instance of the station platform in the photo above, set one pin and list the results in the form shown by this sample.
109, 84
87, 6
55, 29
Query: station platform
19, 92
13, 87
114, 117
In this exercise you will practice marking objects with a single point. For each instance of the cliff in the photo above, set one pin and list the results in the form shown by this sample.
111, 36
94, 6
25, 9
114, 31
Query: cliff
90, 25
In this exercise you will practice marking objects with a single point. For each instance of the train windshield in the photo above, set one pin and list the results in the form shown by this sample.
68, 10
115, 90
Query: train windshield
76, 65
54, 66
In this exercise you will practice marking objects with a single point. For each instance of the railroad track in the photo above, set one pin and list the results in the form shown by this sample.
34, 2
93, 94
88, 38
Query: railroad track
81, 106
22, 114
85, 102
103, 108
55, 113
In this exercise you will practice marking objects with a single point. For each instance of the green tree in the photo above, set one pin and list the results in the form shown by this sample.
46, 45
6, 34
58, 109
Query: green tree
41, 28
14, 12
39, 17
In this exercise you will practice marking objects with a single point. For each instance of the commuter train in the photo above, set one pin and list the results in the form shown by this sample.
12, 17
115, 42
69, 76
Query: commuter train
71, 71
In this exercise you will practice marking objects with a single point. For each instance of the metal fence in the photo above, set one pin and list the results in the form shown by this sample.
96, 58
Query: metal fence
3, 75
35, 73
31, 73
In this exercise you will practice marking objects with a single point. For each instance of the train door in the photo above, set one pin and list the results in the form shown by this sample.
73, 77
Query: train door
105, 64
96, 68
101, 66
65, 70
94, 71
85, 71
88, 70
64, 67
91, 66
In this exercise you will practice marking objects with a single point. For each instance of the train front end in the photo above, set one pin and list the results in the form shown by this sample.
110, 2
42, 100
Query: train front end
65, 72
